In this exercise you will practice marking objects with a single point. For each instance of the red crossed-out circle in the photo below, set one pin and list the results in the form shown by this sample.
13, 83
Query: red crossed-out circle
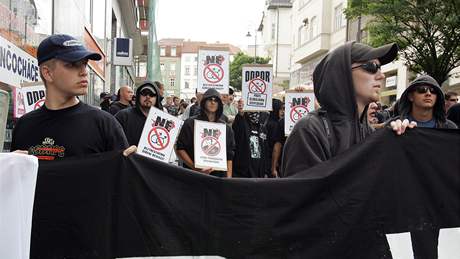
298, 112
39, 104
257, 85
158, 138
213, 73
210, 146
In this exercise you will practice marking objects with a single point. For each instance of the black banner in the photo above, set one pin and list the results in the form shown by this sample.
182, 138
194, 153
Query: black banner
108, 206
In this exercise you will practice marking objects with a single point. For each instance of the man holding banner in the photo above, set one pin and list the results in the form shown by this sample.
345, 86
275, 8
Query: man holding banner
64, 126
346, 81
211, 109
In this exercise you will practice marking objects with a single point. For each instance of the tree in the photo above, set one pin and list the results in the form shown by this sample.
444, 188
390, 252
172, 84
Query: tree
427, 31
236, 67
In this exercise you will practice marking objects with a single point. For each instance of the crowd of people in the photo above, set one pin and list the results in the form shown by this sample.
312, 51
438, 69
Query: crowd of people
346, 86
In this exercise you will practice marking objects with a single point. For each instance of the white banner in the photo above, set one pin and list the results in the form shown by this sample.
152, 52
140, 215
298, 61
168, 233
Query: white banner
257, 87
16, 65
213, 70
210, 145
297, 105
159, 135
33, 96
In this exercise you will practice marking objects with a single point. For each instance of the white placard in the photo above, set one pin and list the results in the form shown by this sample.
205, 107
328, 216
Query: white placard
213, 70
33, 96
16, 65
210, 145
297, 105
257, 87
159, 135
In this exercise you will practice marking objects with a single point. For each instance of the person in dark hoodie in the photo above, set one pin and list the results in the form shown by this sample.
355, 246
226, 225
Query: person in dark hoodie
272, 134
251, 151
423, 102
211, 109
133, 119
453, 114
345, 82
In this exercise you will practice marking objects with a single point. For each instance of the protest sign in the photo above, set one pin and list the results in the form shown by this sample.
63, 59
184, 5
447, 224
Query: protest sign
159, 135
297, 105
213, 69
210, 145
257, 87
33, 95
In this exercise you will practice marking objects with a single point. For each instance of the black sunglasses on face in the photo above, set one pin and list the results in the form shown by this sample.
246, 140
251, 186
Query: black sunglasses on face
149, 93
424, 88
213, 99
453, 100
369, 67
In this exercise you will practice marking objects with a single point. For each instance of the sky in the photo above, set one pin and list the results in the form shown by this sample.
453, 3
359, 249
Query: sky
226, 21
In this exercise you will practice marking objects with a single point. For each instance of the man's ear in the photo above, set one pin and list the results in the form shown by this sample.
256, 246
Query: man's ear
47, 73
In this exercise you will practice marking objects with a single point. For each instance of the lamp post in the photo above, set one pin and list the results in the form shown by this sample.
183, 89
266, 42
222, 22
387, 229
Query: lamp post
255, 43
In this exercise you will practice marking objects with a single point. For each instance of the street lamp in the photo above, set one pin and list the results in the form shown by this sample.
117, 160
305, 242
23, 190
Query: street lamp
255, 43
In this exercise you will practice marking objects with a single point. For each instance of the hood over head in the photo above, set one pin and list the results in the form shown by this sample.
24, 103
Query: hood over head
405, 105
277, 105
208, 94
453, 114
152, 87
334, 90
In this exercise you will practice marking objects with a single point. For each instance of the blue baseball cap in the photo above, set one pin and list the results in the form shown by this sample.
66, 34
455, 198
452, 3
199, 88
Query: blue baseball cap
64, 47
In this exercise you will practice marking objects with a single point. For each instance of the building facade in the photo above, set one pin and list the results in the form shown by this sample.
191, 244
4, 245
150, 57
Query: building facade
318, 26
95, 23
170, 65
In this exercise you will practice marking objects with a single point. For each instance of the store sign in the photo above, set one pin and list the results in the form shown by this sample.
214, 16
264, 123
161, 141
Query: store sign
123, 52
390, 81
16, 65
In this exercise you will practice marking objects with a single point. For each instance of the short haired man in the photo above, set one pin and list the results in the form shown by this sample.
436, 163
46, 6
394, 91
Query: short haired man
451, 99
351, 71
133, 118
126, 95
230, 109
64, 126
211, 110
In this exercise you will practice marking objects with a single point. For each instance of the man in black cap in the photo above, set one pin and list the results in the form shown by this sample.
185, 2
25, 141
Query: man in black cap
346, 81
64, 126
133, 119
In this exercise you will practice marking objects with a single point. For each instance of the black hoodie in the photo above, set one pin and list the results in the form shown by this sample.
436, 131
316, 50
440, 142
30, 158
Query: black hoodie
185, 138
336, 126
132, 119
405, 105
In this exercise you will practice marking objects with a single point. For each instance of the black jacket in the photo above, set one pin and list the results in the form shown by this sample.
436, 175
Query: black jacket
405, 105
132, 119
185, 138
336, 126
117, 106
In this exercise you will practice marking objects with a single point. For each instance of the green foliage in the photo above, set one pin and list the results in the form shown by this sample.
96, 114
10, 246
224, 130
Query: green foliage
236, 67
427, 31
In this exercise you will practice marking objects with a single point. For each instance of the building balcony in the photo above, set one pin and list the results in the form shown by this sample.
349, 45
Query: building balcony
312, 48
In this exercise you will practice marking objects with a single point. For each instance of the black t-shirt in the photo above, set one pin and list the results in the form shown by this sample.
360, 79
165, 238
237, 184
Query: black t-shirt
74, 131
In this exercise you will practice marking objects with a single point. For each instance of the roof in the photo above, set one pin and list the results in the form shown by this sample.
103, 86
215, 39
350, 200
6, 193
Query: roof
193, 46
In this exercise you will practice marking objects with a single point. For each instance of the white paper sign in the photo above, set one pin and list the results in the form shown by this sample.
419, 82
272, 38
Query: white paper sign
213, 70
257, 87
210, 145
33, 96
159, 135
297, 105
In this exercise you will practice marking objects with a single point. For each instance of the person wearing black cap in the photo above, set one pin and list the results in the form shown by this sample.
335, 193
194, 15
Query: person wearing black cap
345, 81
64, 126
133, 119
211, 109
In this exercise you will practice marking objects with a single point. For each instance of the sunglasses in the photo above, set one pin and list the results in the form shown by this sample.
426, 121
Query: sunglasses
424, 88
453, 100
148, 93
213, 99
369, 67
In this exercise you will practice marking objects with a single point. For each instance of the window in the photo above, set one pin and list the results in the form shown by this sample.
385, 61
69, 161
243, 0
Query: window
162, 51
195, 73
172, 81
162, 66
196, 58
299, 36
339, 17
173, 51
187, 70
187, 84
313, 28
172, 67
273, 31
98, 21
